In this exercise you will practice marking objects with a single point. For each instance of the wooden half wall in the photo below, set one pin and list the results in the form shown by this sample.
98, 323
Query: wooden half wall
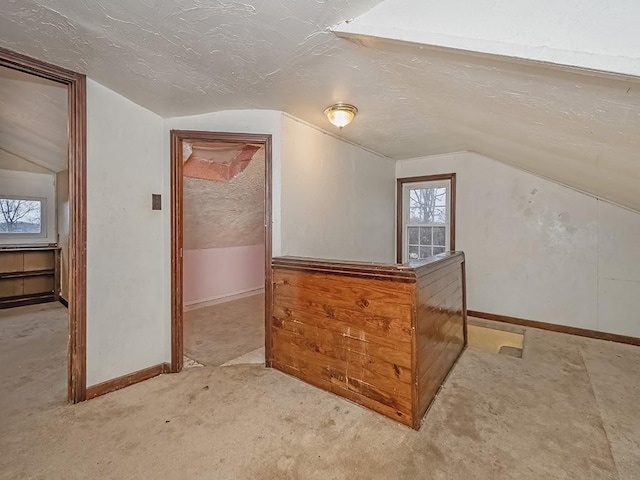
28, 275
383, 336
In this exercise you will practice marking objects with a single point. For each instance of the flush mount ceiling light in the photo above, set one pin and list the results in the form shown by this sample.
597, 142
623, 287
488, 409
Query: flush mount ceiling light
341, 114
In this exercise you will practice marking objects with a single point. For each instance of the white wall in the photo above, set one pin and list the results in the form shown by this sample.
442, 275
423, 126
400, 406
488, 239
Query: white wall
618, 269
30, 184
128, 245
126, 281
539, 250
349, 189
337, 198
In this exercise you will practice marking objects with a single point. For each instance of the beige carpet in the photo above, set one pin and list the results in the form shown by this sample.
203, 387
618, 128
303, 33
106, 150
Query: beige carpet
568, 409
219, 333
33, 359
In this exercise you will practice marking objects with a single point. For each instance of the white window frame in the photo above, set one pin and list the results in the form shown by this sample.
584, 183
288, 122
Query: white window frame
20, 237
406, 187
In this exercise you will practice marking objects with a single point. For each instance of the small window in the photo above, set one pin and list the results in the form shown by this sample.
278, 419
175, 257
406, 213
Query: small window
426, 218
22, 217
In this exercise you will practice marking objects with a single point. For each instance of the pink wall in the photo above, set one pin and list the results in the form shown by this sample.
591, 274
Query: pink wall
220, 272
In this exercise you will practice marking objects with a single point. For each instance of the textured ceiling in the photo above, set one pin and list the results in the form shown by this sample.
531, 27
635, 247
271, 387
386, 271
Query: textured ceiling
179, 57
595, 34
33, 119
185, 57
577, 129
216, 160
229, 213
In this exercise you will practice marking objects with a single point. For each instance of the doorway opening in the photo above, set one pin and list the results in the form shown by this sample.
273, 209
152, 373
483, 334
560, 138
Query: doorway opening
43, 231
221, 247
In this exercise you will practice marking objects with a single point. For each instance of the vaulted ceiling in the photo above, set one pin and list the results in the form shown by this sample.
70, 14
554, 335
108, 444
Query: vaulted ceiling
518, 84
33, 122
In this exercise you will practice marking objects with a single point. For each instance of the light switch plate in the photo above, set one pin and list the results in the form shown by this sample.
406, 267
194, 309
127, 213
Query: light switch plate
156, 201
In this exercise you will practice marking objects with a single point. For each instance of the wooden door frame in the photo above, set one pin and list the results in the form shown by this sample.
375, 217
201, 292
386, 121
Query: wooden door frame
177, 204
77, 113
399, 208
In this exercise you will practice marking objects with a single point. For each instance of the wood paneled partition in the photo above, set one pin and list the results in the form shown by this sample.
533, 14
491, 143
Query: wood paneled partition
383, 336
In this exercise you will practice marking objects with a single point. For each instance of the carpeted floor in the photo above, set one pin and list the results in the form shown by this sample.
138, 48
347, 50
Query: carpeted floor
568, 409
33, 359
219, 333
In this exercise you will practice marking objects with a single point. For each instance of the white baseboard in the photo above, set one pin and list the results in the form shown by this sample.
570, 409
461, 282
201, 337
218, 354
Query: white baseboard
207, 302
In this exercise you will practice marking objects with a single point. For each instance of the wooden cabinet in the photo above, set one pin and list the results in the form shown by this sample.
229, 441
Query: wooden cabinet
28, 275
383, 336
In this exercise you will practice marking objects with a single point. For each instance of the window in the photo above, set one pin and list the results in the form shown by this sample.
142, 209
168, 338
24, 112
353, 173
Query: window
426, 217
22, 217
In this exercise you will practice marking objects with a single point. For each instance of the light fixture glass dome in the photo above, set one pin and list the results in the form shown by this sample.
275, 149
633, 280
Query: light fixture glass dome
341, 114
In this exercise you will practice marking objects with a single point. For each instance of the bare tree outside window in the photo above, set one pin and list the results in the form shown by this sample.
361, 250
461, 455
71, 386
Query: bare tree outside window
20, 216
428, 205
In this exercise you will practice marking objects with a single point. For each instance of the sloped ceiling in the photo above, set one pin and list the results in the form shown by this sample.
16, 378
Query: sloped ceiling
595, 34
33, 121
9, 161
579, 130
228, 213
415, 97
217, 161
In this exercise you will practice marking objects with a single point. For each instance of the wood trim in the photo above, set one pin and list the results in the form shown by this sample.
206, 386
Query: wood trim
126, 380
56, 273
77, 104
464, 302
428, 265
177, 209
30, 273
63, 301
427, 178
177, 347
268, 272
407, 273
399, 212
452, 224
22, 300
415, 373
353, 269
13, 248
552, 327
